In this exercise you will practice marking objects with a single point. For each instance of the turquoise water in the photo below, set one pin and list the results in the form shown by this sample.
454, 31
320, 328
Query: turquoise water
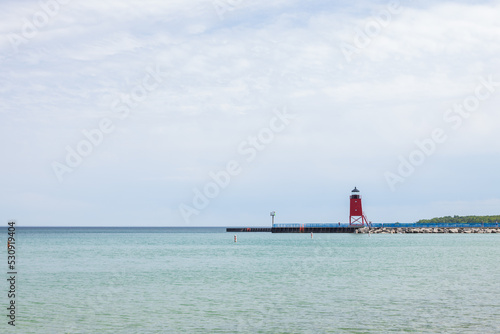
155, 281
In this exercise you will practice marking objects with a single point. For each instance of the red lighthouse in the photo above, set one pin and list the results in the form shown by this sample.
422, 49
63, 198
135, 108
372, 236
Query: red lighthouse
356, 216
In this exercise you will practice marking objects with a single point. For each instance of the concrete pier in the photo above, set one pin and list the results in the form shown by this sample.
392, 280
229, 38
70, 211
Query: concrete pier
248, 229
305, 229
301, 229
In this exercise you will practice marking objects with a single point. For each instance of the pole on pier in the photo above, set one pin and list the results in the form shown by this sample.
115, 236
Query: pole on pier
273, 213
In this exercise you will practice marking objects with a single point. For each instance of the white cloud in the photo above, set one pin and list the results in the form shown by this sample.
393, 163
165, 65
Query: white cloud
223, 80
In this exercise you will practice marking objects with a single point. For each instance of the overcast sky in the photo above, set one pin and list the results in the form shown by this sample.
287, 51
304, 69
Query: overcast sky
214, 113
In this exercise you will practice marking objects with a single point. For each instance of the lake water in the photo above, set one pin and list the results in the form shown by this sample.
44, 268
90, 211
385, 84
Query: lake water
133, 280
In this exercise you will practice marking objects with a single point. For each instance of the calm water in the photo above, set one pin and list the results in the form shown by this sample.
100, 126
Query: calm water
156, 281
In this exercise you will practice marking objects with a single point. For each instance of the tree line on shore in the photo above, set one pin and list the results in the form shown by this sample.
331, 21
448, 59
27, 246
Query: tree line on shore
460, 220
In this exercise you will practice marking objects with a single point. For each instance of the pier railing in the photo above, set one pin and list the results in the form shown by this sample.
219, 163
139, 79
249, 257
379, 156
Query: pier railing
388, 225
437, 225
311, 225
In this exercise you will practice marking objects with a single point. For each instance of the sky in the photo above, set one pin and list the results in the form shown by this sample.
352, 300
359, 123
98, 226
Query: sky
214, 113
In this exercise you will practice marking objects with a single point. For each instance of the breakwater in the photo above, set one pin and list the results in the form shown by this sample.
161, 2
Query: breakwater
392, 230
296, 229
366, 230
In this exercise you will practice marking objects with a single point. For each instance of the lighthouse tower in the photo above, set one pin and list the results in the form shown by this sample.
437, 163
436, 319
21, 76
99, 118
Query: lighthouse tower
356, 216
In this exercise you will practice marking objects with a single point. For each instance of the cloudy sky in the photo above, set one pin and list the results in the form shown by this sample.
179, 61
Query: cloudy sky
214, 113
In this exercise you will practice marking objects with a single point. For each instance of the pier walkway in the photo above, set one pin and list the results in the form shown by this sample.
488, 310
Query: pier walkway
297, 229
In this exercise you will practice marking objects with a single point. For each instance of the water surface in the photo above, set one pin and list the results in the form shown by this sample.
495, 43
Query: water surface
130, 280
